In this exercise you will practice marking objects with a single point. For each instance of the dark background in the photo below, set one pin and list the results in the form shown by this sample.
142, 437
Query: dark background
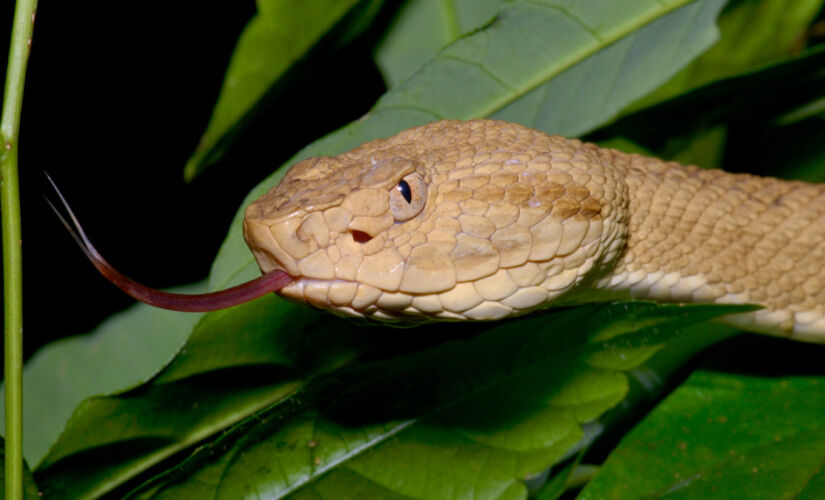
117, 96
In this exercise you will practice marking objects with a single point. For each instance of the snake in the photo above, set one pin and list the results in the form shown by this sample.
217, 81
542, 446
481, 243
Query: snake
483, 220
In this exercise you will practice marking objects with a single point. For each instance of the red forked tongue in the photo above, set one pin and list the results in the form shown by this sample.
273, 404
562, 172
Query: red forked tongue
269, 282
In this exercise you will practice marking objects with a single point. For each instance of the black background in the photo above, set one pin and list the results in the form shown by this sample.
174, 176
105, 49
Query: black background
117, 97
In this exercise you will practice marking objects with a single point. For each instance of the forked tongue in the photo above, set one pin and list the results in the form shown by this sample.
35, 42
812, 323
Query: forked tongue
268, 283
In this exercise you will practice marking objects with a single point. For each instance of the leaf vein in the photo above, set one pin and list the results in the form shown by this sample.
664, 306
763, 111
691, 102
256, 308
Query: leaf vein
484, 69
544, 77
569, 14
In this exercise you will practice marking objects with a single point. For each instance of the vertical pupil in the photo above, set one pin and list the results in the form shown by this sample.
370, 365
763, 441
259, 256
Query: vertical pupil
404, 188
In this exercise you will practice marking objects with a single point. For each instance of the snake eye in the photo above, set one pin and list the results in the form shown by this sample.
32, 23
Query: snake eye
408, 197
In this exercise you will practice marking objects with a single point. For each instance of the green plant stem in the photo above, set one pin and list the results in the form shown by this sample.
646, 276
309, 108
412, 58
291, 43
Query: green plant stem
21, 37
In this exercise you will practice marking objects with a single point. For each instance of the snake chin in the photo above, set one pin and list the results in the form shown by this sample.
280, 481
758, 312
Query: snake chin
350, 299
358, 300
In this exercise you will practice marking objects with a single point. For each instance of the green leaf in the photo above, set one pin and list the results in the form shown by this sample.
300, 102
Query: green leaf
705, 148
422, 28
815, 108
124, 350
560, 67
765, 93
556, 484
280, 34
754, 34
625, 145
467, 417
724, 436
236, 362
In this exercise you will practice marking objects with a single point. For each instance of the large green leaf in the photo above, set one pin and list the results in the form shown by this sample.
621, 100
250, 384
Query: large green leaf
422, 28
280, 34
558, 66
465, 418
236, 362
123, 351
724, 436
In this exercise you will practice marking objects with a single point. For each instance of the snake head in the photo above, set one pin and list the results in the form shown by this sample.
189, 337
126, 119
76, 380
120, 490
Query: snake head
453, 220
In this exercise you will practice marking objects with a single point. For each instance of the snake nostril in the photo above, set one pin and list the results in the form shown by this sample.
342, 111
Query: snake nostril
360, 236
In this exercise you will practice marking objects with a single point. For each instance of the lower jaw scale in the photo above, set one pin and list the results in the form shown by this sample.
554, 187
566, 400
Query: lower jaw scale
314, 293
351, 299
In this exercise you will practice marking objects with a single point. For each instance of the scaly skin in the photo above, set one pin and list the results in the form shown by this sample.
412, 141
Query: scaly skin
502, 220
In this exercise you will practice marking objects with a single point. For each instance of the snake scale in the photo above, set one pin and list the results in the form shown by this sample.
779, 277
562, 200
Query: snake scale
481, 220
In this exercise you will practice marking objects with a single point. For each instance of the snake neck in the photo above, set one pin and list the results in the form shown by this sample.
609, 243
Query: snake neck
697, 235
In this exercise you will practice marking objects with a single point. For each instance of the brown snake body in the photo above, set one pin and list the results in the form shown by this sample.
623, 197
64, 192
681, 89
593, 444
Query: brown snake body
481, 220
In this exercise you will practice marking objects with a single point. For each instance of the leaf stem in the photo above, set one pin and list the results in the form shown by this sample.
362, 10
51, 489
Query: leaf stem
19, 49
